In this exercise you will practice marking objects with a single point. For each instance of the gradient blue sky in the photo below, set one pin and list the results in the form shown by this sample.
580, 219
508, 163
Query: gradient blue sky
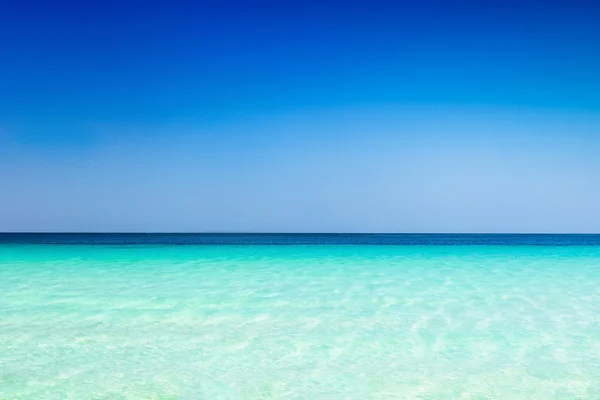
299, 116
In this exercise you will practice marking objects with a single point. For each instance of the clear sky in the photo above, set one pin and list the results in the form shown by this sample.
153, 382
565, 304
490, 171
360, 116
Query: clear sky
299, 116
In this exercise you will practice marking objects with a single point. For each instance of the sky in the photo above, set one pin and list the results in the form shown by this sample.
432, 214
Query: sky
300, 116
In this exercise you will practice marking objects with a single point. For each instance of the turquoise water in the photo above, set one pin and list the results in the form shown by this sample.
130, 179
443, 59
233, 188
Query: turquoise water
299, 322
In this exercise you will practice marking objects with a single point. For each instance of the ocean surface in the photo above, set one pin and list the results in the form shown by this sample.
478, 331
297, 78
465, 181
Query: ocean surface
219, 316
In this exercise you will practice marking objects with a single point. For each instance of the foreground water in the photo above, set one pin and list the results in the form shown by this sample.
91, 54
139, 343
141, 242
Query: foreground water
311, 321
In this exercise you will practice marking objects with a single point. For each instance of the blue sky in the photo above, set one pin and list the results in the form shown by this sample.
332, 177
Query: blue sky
221, 116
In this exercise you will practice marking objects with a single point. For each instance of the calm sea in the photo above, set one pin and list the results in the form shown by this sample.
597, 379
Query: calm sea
275, 316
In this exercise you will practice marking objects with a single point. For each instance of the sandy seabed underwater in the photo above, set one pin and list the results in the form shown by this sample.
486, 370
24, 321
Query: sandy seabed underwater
299, 321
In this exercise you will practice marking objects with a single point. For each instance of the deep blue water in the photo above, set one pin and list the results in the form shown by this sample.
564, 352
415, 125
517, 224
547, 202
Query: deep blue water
402, 239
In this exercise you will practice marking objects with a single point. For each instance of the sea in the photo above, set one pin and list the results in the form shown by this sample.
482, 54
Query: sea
299, 316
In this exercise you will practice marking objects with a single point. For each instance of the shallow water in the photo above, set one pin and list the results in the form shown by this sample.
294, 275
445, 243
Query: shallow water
299, 322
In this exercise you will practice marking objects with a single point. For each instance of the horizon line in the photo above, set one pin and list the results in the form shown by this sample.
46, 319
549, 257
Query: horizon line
284, 233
